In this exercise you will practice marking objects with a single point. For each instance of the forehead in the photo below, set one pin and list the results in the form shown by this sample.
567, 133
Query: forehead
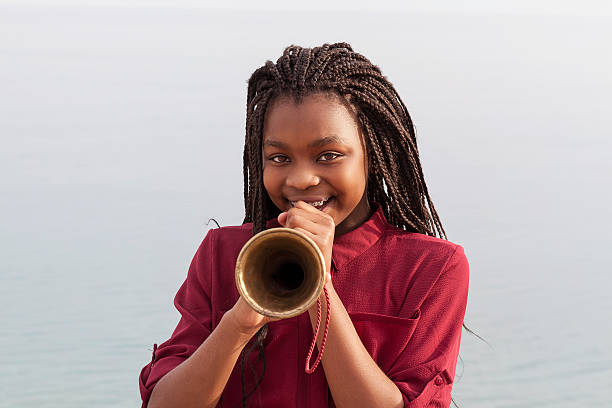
315, 116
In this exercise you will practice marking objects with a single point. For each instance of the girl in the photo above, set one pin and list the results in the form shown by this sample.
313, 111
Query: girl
330, 150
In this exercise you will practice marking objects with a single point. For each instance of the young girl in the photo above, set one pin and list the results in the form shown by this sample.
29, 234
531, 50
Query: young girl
330, 151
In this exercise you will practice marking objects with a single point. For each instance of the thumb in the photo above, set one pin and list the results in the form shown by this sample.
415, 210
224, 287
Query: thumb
282, 218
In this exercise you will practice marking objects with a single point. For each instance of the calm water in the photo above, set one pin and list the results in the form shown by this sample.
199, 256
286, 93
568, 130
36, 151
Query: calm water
121, 136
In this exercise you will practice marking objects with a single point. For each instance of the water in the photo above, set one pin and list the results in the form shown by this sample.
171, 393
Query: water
122, 131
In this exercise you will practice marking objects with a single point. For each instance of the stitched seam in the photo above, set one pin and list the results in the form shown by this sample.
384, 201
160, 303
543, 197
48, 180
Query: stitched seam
433, 284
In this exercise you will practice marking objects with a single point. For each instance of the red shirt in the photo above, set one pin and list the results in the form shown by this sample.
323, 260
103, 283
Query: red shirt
406, 294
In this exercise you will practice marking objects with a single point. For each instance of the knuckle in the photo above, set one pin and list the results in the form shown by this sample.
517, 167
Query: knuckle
327, 217
291, 213
293, 218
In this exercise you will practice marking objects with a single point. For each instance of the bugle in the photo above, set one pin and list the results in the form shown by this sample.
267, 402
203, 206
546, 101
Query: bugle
280, 272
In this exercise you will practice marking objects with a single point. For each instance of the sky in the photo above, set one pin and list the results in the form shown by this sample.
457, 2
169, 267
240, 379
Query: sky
564, 7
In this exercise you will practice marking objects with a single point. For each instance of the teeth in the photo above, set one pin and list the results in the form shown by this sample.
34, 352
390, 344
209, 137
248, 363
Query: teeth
313, 203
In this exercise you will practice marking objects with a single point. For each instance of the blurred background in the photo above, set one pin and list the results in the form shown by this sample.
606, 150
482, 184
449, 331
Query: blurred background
121, 132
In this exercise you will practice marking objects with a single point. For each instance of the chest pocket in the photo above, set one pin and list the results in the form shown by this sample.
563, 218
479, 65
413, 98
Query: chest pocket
385, 337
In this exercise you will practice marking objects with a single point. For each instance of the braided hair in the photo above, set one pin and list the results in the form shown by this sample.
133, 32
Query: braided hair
395, 179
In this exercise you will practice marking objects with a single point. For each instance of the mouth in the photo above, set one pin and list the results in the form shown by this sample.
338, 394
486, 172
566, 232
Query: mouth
319, 205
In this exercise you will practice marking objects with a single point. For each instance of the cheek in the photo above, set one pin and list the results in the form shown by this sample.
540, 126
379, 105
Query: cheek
354, 178
271, 182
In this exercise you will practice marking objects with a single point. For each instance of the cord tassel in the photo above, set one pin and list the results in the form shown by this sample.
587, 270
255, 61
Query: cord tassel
310, 370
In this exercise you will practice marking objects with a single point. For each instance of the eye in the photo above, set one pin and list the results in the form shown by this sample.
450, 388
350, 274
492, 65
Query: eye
329, 156
279, 158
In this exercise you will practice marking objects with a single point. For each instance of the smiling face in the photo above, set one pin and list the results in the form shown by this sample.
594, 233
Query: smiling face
313, 151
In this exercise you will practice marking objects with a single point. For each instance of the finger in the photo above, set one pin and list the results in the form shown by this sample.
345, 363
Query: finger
282, 217
299, 221
292, 213
307, 233
296, 219
320, 215
322, 244
304, 220
317, 216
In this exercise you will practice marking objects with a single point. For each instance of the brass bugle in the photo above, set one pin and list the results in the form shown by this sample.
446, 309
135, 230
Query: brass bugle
280, 272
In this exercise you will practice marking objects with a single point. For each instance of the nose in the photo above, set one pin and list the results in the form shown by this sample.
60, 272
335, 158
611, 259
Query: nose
302, 177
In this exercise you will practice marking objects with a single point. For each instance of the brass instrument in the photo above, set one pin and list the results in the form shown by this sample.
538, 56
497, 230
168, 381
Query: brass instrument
280, 272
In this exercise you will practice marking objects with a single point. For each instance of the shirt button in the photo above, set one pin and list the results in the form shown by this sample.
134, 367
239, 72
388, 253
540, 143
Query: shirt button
438, 381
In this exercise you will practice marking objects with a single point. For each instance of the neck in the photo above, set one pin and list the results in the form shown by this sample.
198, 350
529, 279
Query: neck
360, 214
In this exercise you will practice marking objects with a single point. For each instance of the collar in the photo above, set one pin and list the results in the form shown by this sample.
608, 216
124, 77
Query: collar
354, 243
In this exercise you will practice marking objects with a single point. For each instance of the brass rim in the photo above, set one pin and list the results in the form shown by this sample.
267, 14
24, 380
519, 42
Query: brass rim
244, 292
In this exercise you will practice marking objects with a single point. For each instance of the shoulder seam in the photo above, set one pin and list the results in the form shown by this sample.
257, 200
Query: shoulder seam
449, 258
442, 271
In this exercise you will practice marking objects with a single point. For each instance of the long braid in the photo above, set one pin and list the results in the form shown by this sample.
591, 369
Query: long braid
395, 180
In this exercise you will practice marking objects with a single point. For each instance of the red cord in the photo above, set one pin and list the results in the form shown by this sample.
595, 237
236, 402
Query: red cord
310, 370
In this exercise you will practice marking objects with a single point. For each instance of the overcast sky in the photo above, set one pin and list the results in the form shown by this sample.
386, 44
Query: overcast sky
572, 7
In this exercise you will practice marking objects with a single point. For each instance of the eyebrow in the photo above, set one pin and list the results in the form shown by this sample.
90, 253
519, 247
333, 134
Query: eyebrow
317, 143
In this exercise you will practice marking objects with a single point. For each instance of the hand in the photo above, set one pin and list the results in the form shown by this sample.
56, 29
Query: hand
317, 225
245, 319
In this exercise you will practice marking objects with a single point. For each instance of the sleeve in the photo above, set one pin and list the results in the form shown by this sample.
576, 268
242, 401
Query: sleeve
425, 369
193, 303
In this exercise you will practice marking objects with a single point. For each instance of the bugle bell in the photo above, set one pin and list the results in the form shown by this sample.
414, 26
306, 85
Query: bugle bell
280, 272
